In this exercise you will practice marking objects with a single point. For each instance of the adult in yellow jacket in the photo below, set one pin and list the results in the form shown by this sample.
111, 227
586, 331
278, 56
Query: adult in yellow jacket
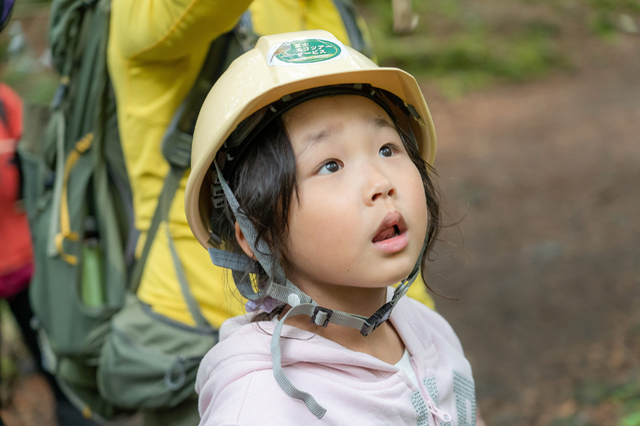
156, 50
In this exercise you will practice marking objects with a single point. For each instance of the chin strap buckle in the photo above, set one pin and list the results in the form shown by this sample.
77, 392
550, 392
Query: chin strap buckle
321, 316
376, 319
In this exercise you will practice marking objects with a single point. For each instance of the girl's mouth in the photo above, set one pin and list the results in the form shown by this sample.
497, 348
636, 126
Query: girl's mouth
387, 233
391, 236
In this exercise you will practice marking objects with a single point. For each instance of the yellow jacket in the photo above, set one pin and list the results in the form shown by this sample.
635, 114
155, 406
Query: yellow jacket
156, 50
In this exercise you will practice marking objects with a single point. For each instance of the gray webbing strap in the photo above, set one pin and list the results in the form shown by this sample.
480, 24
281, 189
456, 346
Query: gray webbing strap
278, 373
169, 188
193, 306
172, 182
288, 293
229, 260
240, 263
161, 214
261, 252
263, 255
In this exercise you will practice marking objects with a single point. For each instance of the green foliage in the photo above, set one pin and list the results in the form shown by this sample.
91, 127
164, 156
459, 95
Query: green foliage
616, 6
604, 16
595, 391
36, 87
474, 60
575, 420
461, 50
22, 68
631, 420
8, 335
624, 395
462, 45
628, 395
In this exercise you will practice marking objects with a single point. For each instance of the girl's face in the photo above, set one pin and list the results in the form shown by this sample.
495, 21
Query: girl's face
360, 218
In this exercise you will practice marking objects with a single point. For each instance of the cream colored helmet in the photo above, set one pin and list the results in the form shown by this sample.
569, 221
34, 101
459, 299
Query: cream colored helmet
278, 66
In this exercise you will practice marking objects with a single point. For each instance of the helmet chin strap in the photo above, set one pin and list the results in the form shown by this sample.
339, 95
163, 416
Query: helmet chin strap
283, 290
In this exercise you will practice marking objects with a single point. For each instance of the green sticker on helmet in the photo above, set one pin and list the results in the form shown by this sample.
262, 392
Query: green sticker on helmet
306, 51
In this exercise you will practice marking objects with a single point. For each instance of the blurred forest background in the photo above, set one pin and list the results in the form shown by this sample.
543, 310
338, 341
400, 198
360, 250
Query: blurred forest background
537, 108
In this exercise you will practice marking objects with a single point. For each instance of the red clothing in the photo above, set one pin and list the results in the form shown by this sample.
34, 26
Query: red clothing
15, 241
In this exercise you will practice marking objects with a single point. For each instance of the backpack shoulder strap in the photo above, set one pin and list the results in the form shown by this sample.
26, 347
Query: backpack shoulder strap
349, 18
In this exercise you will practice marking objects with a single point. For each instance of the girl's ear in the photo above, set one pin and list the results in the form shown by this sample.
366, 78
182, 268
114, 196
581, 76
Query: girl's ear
240, 238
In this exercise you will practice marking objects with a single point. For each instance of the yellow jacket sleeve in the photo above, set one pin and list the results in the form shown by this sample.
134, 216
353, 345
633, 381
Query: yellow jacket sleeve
156, 30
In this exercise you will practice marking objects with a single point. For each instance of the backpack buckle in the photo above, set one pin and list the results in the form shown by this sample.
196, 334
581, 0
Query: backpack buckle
321, 316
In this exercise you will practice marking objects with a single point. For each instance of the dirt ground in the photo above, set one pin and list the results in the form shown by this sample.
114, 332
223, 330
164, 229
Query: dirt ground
540, 182
543, 180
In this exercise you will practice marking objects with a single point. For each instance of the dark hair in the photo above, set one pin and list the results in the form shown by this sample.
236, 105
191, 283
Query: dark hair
264, 183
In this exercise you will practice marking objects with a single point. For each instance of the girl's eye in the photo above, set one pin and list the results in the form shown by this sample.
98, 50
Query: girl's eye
387, 151
329, 167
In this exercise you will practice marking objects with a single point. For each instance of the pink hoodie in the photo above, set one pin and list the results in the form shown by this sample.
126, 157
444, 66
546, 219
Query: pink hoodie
236, 384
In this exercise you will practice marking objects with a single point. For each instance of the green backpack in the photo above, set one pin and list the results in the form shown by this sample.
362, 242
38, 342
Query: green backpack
78, 200
79, 204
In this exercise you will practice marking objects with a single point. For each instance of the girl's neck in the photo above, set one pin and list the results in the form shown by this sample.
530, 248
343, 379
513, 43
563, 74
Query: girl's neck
383, 343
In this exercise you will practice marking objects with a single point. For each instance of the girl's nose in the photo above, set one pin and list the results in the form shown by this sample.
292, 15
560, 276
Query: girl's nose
380, 187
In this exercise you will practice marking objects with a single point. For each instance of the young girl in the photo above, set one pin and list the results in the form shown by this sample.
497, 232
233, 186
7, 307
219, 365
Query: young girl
310, 181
